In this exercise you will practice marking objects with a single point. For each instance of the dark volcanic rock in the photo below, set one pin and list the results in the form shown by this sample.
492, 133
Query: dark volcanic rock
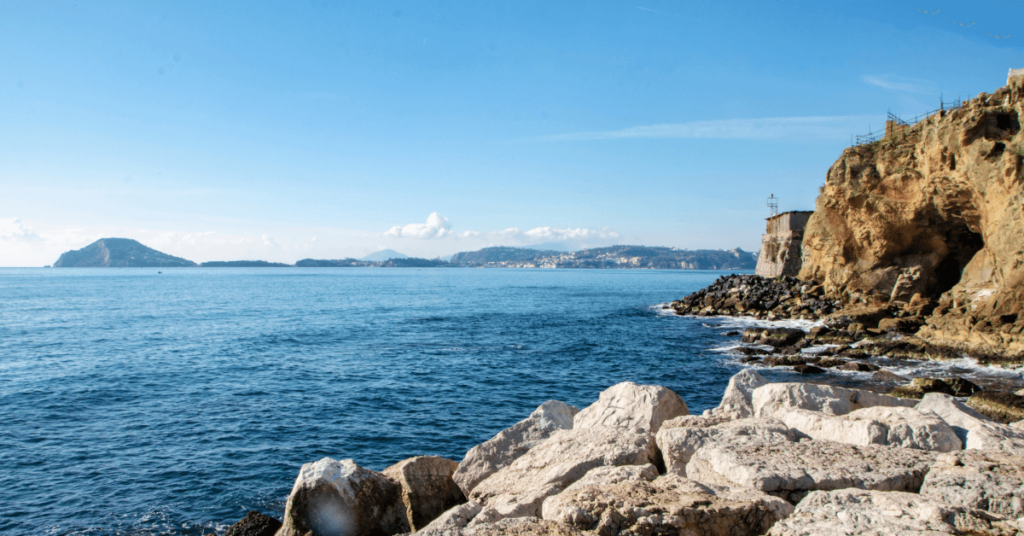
254, 524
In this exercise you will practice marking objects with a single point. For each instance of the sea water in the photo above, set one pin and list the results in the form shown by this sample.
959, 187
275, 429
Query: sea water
171, 401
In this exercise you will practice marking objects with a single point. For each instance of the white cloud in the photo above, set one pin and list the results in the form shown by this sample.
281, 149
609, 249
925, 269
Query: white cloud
437, 226
898, 84
13, 229
805, 129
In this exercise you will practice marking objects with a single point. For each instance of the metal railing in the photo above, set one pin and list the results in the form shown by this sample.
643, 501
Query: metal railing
873, 136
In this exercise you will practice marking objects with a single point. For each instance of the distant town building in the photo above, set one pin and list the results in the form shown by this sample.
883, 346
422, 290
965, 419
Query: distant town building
780, 245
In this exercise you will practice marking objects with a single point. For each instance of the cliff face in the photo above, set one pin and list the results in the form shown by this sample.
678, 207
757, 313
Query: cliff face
118, 252
936, 209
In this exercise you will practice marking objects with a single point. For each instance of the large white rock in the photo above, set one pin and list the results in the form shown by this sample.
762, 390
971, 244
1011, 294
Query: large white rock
775, 399
628, 405
736, 402
790, 470
520, 488
879, 425
427, 487
991, 480
677, 444
488, 457
452, 520
637, 501
876, 513
974, 429
339, 498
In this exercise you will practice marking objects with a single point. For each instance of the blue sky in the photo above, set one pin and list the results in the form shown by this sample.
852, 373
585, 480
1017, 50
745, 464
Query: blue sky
280, 131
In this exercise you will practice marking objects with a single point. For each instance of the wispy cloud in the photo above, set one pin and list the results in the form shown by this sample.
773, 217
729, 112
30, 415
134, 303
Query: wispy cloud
897, 84
13, 229
810, 128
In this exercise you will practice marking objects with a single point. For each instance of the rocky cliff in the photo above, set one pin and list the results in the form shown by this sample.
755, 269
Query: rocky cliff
118, 252
932, 214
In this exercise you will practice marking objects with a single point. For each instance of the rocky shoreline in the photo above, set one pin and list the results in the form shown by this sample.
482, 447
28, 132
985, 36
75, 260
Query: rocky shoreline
773, 458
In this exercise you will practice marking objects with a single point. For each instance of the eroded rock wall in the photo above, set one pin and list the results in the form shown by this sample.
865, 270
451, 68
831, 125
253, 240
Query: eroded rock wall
937, 210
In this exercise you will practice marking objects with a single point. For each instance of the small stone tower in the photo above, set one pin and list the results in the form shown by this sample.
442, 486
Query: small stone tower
780, 245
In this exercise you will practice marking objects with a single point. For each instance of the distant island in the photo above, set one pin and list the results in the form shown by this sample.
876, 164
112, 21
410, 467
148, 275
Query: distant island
119, 253
125, 253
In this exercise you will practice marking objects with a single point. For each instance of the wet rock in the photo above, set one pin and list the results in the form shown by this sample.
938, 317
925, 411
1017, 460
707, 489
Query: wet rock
504, 448
1000, 406
880, 425
983, 479
859, 511
830, 362
736, 400
859, 367
668, 504
780, 337
974, 429
777, 398
678, 445
339, 498
919, 387
427, 488
547, 469
886, 376
900, 325
784, 360
818, 331
808, 369
628, 405
747, 350
254, 524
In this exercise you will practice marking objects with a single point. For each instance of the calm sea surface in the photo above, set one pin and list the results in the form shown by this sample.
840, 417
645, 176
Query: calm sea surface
133, 402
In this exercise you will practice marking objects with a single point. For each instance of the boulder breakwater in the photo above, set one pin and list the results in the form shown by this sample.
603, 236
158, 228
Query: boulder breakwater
773, 458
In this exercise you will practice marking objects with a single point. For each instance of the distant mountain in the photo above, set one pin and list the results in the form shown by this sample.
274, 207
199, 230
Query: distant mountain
384, 255
332, 263
499, 254
243, 264
118, 253
611, 257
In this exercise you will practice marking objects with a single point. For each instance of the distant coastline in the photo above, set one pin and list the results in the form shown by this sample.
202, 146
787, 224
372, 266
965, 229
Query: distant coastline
128, 253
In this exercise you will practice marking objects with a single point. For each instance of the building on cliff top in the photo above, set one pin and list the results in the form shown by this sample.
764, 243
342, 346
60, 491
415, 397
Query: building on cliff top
780, 245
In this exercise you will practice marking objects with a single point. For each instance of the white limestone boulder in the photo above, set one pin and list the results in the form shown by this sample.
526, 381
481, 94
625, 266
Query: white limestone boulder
617, 501
522, 526
452, 520
879, 425
775, 399
791, 470
736, 402
991, 480
427, 488
705, 420
678, 444
545, 470
339, 498
488, 457
628, 405
974, 429
877, 513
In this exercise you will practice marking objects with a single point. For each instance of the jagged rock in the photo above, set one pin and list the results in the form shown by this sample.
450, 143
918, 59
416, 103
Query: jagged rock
427, 487
488, 457
566, 456
974, 429
830, 362
696, 421
808, 369
339, 498
736, 400
1000, 406
453, 519
669, 504
780, 337
818, 331
628, 405
785, 360
790, 470
889, 426
254, 524
919, 387
520, 526
678, 445
858, 511
991, 480
774, 398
